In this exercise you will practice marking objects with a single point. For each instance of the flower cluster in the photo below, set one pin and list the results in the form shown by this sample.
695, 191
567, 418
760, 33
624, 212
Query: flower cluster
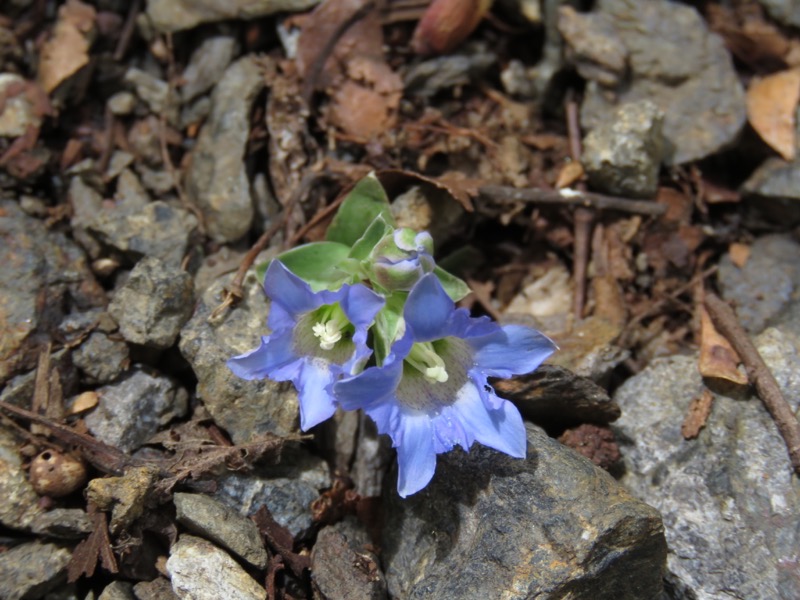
366, 320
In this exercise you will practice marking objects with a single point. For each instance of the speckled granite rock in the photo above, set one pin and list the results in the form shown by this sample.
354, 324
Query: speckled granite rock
175, 15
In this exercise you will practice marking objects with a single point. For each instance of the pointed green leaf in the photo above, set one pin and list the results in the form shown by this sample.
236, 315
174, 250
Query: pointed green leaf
455, 287
376, 231
366, 201
319, 264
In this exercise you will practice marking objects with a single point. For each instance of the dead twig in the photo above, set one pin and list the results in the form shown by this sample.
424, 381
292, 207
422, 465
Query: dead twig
127, 30
570, 197
759, 374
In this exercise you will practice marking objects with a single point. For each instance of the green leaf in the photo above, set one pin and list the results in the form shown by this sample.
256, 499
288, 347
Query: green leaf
455, 287
319, 264
387, 323
376, 231
365, 201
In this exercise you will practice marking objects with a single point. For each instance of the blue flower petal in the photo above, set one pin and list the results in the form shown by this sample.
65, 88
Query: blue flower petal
501, 428
369, 387
273, 354
416, 459
513, 350
360, 304
313, 383
428, 309
287, 289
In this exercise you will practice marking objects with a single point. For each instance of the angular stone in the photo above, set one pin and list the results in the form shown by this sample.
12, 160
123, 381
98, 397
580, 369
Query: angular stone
767, 283
774, 189
217, 181
101, 358
786, 12
41, 272
32, 569
153, 91
201, 571
117, 590
20, 505
124, 496
680, 66
63, 523
342, 565
133, 409
158, 589
245, 409
207, 65
287, 489
175, 15
593, 44
153, 305
18, 112
550, 526
222, 525
729, 498
623, 155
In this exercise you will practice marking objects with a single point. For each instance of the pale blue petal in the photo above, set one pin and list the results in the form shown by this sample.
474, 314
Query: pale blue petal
428, 309
368, 387
274, 353
313, 385
449, 431
287, 289
501, 429
279, 318
514, 350
416, 460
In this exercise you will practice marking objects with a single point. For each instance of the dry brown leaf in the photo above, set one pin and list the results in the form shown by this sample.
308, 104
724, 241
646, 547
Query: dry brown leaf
717, 358
67, 49
569, 174
739, 254
771, 107
699, 410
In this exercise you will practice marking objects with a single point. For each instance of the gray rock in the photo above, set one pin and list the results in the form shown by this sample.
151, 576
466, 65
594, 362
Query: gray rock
133, 409
19, 390
130, 194
101, 358
680, 66
63, 523
122, 103
342, 566
207, 65
20, 505
729, 499
201, 571
175, 15
593, 45
623, 155
217, 180
32, 569
41, 272
774, 189
153, 305
117, 590
550, 526
786, 12
245, 409
287, 489
158, 589
222, 525
17, 113
766, 285
153, 91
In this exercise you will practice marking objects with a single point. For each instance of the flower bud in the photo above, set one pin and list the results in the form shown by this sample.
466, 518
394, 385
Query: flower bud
400, 259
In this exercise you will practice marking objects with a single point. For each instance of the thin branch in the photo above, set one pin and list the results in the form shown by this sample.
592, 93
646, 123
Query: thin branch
127, 30
570, 197
759, 374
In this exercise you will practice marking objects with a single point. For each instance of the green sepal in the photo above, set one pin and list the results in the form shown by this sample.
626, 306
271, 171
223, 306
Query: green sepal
376, 231
365, 201
323, 265
454, 287
387, 323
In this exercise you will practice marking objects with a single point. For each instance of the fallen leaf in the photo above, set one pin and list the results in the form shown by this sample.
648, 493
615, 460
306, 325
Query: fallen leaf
739, 254
699, 410
717, 358
67, 49
96, 547
447, 23
569, 174
771, 107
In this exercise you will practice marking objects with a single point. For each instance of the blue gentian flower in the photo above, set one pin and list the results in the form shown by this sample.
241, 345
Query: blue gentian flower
316, 338
432, 392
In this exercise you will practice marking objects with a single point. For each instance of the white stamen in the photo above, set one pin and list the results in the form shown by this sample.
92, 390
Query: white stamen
437, 373
328, 334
